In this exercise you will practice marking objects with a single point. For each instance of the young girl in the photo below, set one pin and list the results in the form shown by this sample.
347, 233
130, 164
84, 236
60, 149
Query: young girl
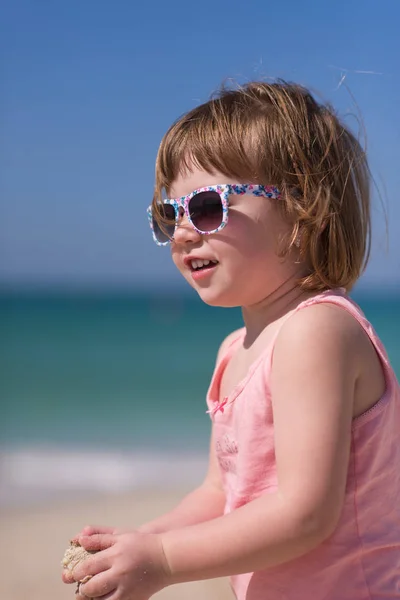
270, 211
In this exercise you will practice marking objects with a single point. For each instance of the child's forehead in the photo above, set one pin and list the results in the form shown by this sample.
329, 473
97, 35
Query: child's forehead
189, 180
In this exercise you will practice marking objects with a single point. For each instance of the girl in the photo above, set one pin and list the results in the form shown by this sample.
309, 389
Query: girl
270, 211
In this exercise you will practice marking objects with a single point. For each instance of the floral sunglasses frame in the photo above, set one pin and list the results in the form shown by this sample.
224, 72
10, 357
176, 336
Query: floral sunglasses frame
224, 190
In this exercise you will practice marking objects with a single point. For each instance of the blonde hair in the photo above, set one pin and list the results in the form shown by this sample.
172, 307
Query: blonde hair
278, 134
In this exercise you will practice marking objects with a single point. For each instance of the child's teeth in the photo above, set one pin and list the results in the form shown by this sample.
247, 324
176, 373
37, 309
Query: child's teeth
197, 264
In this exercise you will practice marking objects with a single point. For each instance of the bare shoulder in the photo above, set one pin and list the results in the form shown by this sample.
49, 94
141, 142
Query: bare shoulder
324, 325
227, 342
326, 341
321, 338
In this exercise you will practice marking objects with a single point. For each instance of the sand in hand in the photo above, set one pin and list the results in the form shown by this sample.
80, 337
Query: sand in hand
74, 555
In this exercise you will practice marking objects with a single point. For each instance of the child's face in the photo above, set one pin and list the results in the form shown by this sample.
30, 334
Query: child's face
248, 267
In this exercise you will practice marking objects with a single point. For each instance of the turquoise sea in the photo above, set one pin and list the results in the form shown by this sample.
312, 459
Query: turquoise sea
107, 392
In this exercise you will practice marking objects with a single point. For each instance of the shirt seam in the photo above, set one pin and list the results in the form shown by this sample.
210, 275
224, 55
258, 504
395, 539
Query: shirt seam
353, 443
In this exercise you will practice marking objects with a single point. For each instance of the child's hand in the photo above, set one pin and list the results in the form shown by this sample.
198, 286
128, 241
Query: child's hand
67, 576
129, 565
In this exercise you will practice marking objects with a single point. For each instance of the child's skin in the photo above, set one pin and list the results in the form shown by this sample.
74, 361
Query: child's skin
325, 372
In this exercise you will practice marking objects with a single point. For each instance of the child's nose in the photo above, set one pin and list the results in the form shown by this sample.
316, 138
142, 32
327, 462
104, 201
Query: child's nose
185, 232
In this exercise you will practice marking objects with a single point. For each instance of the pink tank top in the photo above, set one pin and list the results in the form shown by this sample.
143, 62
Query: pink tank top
361, 560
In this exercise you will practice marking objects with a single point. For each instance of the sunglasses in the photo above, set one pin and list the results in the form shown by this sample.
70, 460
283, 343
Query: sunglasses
206, 209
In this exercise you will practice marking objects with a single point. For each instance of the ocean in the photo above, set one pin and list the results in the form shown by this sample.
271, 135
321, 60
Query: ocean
106, 393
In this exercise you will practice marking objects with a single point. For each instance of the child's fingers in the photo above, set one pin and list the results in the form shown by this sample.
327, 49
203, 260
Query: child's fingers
67, 576
92, 566
97, 541
91, 530
101, 586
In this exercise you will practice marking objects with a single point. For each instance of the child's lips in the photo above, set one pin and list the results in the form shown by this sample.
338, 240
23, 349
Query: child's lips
203, 272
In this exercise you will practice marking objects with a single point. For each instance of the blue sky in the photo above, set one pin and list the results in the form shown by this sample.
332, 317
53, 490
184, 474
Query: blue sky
88, 88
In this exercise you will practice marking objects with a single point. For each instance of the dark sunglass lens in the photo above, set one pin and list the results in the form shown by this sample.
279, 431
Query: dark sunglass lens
205, 209
164, 223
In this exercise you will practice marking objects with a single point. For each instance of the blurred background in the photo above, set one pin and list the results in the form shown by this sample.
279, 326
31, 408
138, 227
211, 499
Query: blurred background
105, 353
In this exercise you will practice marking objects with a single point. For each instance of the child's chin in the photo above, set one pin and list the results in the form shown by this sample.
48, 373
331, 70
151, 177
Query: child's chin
219, 300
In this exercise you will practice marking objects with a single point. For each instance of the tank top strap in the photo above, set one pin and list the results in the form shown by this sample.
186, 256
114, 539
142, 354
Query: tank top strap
231, 347
339, 298
213, 390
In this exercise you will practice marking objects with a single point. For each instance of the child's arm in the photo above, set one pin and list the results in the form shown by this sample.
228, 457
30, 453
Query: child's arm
315, 372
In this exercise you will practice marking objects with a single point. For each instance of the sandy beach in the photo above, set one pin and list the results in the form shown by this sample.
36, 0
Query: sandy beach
35, 539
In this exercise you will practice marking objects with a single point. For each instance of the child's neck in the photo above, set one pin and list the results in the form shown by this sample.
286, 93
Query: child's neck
271, 308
